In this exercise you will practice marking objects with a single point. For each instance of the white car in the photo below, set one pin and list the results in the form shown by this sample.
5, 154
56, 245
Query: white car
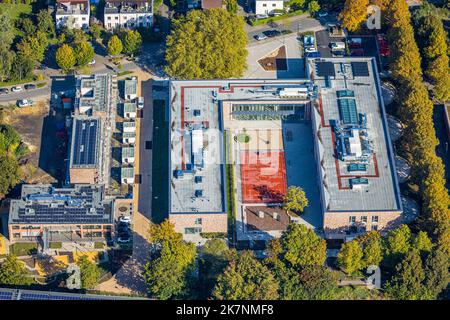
24, 103
92, 62
260, 37
17, 89
124, 240
322, 14
140, 103
261, 16
310, 49
125, 219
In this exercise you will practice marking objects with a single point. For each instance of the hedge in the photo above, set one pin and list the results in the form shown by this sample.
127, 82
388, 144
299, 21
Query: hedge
258, 22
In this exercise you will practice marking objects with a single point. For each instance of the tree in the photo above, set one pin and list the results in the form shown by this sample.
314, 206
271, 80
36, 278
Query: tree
354, 14
34, 47
372, 248
232, 6
422, 242
132, 42
89, 271
318, 283
398, 240
6, 30
13, 272
350, 257
45, 23
207, 44
171, 264
115, 46
9, 174
28, 26
84, 53
95, 30
22, 66
214, 258
295, 199
406, 284
302, 247
313, 6
436, 273
246, 278
65, 57
6, 63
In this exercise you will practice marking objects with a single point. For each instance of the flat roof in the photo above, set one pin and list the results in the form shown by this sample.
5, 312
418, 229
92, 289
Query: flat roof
85, 142
128, 152
127, 172
362, 124
197, 105
47, 205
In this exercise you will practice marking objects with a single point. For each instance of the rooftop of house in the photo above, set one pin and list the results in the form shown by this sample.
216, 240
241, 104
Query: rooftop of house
72, 7
127, 152
127, 172
356, 156
85, 142
95, 93
211, 4
47, 205
128, 6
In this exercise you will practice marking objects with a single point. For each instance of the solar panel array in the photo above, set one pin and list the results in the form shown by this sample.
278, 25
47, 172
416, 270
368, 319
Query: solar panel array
69, 206
325, 69
85, 142
13, 294
347, 111
360, 69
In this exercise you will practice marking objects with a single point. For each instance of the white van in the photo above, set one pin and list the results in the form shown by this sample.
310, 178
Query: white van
337, 46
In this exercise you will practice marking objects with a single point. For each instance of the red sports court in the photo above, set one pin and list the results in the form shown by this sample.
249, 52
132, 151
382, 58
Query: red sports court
263, 176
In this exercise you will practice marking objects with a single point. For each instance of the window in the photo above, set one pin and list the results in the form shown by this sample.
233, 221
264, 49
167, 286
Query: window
117, 18
109, 18
264, 4
374, 218
352, 219
274, 5
364, 219
192, 230
16, 235
198, 221
374, 227
15, 227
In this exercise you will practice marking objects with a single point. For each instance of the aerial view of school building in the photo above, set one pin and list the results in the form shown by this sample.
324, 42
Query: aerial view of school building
326, 134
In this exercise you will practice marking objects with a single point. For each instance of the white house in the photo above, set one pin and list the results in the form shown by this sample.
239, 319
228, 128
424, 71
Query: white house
130, 89
128, 14
128, 138
72, 13
128, 155
129, 126
268, 7
127, 175
129, 110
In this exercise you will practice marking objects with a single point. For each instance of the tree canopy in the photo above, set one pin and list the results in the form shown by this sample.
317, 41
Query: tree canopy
350, 257
89, 271
65, 57
354, 14
132, 41
84, 53
246, 278
295, 199
302, 247
13, 272
207, 44
114, 46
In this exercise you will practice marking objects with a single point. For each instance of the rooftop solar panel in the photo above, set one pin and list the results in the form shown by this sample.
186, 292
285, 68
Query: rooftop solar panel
360, 69
347, 111
325, 69
85, 142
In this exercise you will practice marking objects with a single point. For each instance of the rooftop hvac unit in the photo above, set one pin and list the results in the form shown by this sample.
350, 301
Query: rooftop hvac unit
261, 214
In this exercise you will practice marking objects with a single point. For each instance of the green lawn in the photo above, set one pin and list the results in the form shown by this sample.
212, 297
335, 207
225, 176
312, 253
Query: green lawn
160, 165
14, 11
23, 249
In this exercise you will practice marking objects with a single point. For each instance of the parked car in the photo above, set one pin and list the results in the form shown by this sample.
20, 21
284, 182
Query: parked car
30, 86
125, 219
322, 14
24, 103
124, 239
4, 90
337, 46
338, 53
260, 37
261, 16
123, 227
313, 55
354, 43
16, 89
272, 33
140, 103
92, 62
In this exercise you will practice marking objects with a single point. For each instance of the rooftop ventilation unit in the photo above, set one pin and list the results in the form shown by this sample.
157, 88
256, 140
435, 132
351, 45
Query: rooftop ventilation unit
261, 214
198, 193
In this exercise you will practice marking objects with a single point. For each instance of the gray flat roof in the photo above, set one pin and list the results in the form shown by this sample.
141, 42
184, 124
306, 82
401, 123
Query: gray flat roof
381, 193
193, 106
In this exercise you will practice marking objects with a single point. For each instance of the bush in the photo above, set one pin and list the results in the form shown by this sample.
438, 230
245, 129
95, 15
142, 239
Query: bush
99, 245
23, 248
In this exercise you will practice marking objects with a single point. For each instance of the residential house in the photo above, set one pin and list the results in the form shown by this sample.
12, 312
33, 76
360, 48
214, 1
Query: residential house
128, 14
268, 7
74, 14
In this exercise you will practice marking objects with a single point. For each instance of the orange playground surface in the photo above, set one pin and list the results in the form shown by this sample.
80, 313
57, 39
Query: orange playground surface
263, 176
